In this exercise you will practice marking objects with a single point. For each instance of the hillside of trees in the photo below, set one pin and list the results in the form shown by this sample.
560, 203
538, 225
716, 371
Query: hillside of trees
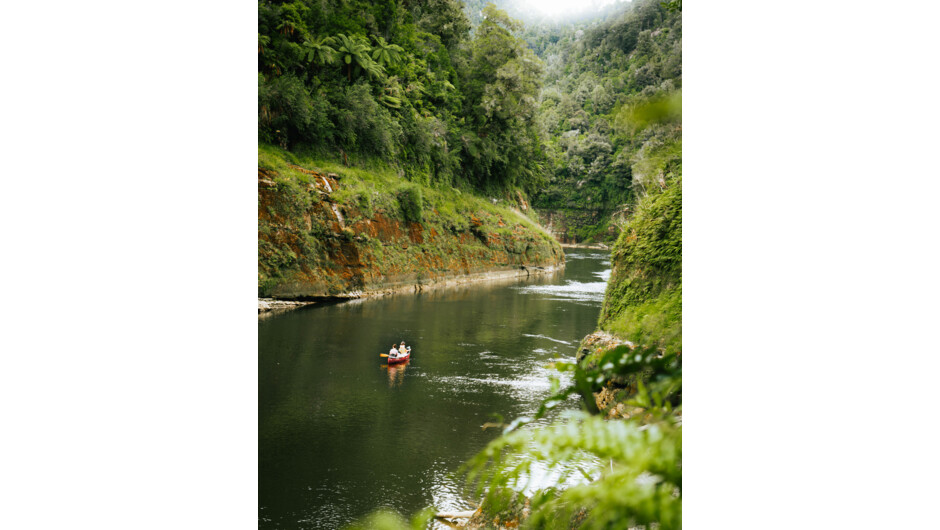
455, 94
609, 110
404, 84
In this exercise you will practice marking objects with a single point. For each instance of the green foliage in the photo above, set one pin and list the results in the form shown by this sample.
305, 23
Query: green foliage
501, 85
364, 202
319, 50
409, 86
647, 258
590, 233
605, 474
657, 321
444, 18
354, 53
611, 99
365, 125
294, 199
663, 108
657, 162
453, 215
410, 202
385, 53
288, 114
673, 5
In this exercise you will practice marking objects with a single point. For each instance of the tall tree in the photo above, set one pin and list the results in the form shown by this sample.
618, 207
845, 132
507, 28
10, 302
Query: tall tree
501, 86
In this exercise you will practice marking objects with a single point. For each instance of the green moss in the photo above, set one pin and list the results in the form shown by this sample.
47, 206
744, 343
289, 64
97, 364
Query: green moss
648, 254
658, 321
643, 302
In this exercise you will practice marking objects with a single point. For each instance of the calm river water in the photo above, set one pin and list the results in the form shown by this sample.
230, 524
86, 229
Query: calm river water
342, 434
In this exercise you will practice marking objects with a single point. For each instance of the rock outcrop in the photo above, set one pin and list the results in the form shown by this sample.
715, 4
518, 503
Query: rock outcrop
597, 342
269, 305
571, 225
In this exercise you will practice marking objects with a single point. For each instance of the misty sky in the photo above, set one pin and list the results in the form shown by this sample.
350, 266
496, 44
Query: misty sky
561, 8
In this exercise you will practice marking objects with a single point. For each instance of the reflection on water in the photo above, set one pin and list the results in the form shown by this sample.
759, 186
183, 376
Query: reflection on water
571, 473
341, 433
548, 338
396, 373
572, 290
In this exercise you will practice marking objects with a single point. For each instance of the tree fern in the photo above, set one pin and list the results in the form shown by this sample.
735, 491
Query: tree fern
318, 50
385, 53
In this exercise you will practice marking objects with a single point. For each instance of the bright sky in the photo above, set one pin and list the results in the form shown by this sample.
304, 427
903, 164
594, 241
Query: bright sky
562, 7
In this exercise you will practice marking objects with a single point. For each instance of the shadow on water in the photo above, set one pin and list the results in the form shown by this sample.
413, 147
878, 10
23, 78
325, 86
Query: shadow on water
341, 433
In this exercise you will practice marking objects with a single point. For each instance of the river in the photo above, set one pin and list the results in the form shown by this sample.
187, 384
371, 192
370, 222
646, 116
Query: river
342, 434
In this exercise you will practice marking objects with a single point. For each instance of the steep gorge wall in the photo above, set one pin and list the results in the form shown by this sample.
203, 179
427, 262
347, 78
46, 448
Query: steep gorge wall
573, 225
313, 246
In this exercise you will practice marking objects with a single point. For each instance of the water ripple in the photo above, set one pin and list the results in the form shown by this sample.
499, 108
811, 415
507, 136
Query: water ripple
546, 338
571, 290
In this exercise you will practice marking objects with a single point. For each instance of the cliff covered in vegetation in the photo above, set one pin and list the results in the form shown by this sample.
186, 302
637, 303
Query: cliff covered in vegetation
325, 230
643, 302
603, 153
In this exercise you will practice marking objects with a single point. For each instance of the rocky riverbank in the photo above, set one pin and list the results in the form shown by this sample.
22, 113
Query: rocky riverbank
595, 246
269, 305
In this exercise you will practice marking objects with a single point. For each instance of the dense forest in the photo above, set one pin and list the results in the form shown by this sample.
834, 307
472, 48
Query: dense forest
609, 111
405, 83
550, 109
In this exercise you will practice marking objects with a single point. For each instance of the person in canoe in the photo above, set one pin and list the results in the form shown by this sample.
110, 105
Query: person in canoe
393, 353
404, 350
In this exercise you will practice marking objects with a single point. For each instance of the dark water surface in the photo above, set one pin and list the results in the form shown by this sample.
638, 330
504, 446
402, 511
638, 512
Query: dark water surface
341, 433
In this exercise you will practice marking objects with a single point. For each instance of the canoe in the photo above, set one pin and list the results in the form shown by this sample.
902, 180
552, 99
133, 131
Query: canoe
400, 359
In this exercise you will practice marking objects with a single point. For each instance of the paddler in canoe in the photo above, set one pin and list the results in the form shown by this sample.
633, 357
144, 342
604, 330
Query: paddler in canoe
398, 355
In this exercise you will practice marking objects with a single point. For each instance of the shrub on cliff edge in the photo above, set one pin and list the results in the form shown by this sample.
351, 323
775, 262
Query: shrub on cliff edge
409, 201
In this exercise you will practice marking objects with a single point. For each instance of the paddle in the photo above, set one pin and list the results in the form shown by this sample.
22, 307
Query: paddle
383, 355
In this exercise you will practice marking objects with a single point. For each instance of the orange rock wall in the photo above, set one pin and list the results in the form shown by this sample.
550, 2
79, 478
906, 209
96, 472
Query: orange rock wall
310, 246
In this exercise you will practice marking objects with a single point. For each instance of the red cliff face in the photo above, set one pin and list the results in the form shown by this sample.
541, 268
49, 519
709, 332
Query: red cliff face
311, 246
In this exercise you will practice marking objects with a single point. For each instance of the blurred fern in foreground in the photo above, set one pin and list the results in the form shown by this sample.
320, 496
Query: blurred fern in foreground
630, 470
